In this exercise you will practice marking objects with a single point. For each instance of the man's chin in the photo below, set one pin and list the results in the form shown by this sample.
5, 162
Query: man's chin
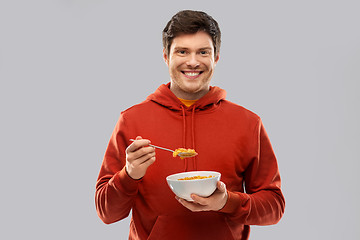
195, 90
192, 89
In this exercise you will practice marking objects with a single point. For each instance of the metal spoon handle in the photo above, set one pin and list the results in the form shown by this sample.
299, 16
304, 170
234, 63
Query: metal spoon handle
161, 148
157, 146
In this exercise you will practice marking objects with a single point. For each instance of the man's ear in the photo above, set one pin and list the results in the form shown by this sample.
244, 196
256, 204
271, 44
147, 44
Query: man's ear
166, 58
217, 58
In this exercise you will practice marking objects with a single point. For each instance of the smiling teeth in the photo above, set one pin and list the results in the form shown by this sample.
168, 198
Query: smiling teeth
192, 73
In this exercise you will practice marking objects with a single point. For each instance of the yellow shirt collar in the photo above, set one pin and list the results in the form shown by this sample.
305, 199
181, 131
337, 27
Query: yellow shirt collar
187, 103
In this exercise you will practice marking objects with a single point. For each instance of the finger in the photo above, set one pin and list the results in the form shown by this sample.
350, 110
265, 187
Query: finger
137, 144
148, 162
138, 138
142, 152
185, 203
192, 206
199, 200
142, 159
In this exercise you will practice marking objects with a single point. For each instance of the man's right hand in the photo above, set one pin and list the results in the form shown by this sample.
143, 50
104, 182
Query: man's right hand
139, 156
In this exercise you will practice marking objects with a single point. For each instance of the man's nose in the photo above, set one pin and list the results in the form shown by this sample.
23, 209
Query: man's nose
192, 61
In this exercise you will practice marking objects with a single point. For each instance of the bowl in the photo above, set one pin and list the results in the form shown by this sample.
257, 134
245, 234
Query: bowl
203, 187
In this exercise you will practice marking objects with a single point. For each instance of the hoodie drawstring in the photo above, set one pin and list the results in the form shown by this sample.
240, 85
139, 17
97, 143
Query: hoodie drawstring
192, 135
184, 133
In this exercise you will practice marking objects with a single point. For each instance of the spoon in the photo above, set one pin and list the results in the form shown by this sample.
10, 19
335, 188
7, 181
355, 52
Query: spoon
178, 152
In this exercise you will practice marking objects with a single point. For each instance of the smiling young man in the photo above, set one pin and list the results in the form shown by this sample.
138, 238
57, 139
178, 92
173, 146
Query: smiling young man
188, 112
191, 61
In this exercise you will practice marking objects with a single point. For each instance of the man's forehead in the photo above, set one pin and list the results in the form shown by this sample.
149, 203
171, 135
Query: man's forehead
199, 40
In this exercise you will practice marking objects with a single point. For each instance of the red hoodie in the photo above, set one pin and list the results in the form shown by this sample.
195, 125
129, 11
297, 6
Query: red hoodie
228, 138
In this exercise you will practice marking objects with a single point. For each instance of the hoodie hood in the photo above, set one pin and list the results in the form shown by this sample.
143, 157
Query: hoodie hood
165, 97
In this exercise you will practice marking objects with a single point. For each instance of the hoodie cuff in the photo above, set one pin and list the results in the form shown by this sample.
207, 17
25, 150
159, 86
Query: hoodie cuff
125, 183
234, 201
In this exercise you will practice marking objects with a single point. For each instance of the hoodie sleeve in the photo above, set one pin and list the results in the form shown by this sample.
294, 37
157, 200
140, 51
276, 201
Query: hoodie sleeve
263, 203
115, 190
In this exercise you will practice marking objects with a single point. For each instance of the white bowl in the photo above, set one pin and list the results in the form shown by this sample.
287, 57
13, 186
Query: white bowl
202, 187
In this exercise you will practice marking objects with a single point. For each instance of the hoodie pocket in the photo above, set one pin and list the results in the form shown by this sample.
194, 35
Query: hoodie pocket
194, 226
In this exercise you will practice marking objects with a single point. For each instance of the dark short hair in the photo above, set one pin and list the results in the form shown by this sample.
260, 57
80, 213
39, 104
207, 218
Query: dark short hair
190, 22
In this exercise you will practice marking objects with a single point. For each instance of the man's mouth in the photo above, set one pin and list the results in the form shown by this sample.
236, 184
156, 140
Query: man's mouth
192, 74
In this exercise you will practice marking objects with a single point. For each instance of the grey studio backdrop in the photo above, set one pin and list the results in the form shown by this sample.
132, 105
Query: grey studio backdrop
68, 67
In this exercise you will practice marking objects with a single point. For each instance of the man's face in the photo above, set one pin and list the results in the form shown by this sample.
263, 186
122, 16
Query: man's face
191, 65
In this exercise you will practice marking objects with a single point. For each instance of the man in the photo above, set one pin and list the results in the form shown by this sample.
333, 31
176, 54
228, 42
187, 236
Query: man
189, 113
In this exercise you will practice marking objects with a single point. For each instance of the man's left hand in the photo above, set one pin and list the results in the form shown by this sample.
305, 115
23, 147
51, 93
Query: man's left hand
214, 202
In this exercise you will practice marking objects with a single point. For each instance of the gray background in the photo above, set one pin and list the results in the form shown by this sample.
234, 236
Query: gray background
68, 67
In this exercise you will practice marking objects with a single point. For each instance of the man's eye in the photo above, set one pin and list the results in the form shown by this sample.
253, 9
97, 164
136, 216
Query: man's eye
204, 52
181, 52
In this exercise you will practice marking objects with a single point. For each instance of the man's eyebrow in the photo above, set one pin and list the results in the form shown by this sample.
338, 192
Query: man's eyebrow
206, 48
181, 48
185, 48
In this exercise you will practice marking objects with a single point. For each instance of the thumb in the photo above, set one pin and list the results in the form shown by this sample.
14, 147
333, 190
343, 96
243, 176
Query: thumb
221, 186
138, 138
